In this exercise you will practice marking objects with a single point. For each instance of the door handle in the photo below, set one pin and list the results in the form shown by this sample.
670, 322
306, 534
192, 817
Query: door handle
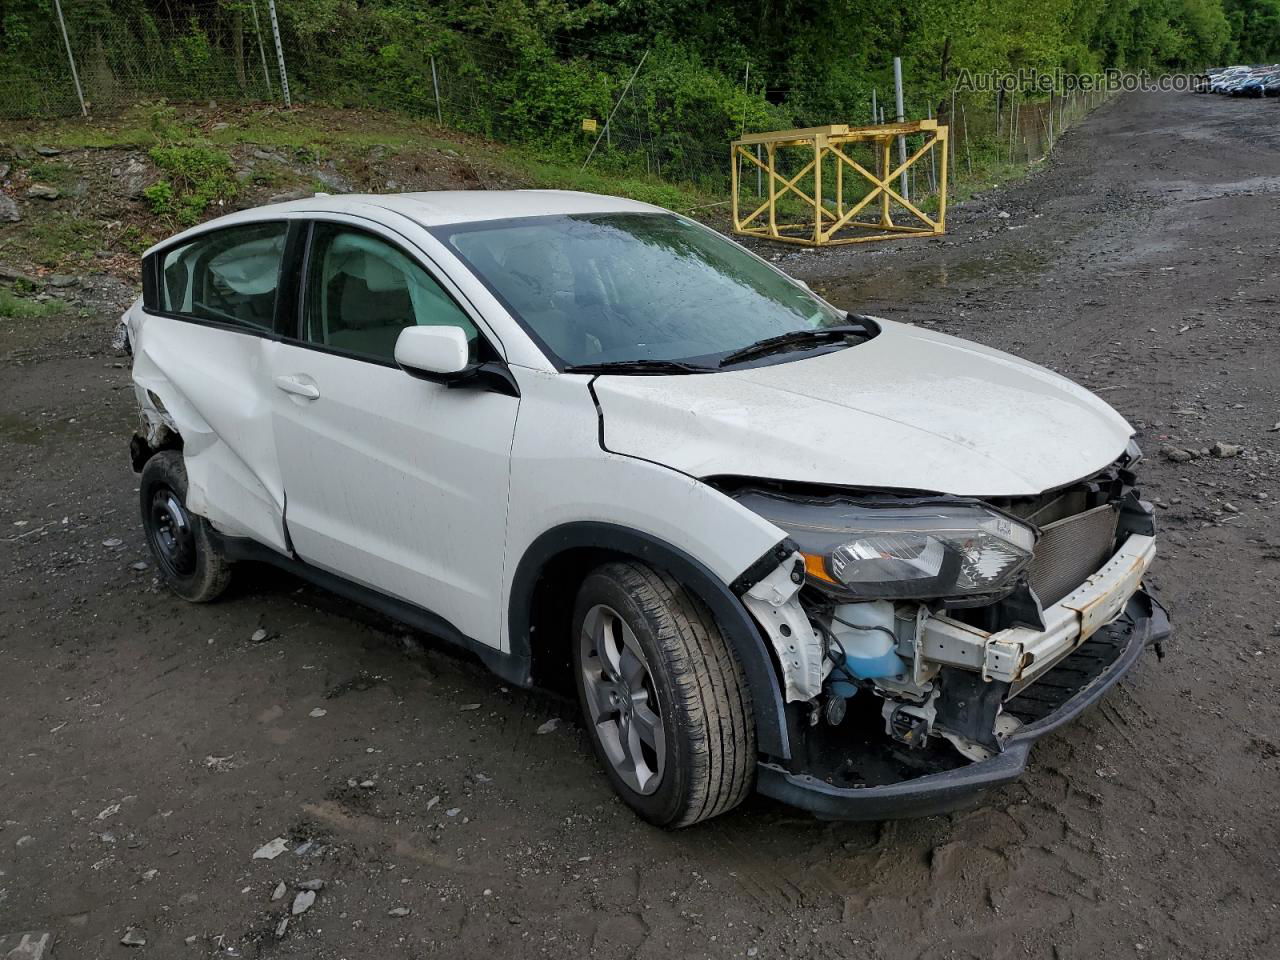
298, 387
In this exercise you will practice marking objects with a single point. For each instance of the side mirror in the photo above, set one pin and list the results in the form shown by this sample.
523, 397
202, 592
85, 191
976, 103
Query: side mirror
433, 353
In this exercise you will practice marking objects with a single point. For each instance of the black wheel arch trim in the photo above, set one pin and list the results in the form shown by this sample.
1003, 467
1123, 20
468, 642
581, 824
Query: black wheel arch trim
740, 629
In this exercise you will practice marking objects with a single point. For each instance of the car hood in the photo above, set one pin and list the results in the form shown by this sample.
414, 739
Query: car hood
909, 409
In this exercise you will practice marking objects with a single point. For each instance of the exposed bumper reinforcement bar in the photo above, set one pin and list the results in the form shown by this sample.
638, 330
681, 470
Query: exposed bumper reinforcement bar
1019, 655
1143, 623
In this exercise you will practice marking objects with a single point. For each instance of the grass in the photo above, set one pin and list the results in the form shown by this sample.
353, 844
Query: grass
54, 239
191, 145
318, 133
51, 173
20, 308
547, 173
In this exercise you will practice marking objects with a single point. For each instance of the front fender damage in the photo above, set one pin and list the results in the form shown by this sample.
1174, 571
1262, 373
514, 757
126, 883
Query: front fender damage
774, 602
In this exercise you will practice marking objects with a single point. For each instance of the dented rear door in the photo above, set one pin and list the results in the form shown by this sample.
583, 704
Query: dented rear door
201, 340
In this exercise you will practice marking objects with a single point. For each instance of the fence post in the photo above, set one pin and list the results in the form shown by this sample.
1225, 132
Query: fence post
262, 49
275, 32
902, 141
951, 146
875, 119
746, 92
933, 158
435, 85
75, 75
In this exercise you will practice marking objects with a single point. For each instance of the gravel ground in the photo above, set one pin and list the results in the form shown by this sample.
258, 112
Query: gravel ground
151, 748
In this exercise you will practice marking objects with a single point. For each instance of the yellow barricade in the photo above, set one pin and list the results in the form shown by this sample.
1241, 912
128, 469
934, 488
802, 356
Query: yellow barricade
831, 221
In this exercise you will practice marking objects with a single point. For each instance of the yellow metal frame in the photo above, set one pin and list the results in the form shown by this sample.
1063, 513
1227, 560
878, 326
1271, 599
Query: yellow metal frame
831, 142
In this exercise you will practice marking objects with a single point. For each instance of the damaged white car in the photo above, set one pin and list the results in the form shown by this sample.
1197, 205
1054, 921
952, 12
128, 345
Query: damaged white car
852, 564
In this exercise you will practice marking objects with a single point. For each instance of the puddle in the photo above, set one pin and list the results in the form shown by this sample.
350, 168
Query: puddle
904, 283
1191, 190
16, 429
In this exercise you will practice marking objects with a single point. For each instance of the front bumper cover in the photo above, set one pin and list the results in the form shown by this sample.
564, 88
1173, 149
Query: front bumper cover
1143, 623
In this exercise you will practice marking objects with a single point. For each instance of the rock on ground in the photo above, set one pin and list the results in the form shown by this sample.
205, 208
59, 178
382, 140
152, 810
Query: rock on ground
26, 946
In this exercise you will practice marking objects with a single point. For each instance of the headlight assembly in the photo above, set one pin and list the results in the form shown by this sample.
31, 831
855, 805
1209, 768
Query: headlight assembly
897, 551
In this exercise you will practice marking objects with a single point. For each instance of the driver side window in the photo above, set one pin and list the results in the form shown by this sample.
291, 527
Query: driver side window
362, 291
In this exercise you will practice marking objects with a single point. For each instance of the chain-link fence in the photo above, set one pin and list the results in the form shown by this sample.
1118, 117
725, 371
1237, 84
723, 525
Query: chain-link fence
204, 49
653, 113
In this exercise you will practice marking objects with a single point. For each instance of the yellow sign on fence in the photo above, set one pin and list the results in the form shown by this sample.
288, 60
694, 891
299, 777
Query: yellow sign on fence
827, 219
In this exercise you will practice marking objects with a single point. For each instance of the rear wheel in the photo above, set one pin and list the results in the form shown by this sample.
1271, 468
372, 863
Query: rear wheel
663, 695
190, 562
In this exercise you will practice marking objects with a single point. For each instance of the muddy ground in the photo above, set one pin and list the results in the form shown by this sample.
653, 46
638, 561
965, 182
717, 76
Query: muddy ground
149, 747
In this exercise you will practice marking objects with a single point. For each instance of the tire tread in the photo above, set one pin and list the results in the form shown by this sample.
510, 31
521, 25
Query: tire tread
710, 683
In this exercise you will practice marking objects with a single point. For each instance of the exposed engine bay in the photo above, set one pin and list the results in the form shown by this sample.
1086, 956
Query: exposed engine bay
906, 684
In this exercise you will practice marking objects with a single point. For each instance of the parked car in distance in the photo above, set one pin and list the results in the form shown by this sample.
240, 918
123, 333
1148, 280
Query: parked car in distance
857, 565
1240, 81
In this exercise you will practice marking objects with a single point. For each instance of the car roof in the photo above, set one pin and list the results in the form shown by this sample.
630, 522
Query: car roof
435, 208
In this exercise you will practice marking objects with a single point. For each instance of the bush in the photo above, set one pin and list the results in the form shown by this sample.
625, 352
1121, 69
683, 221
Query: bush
198, 176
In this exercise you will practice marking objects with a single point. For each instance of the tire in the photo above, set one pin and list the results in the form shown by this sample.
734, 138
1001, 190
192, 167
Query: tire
190, 563
660, 643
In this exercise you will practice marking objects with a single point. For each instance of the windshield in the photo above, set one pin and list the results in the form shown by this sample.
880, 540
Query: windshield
620, 287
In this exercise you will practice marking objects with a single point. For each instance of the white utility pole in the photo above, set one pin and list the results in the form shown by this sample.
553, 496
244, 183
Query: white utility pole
75, 76
746, 82
275, 32
902, 141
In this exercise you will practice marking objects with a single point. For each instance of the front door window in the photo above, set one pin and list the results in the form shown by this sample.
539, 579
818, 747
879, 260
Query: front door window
362, 291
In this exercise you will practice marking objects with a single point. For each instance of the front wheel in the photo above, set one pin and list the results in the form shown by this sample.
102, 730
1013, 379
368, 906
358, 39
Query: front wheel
663, 695
190, 561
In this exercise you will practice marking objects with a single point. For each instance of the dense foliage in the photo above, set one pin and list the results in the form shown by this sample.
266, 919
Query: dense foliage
532, 70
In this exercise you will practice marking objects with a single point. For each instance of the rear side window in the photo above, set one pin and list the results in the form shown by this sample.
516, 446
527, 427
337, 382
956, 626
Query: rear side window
228, 276
362, 291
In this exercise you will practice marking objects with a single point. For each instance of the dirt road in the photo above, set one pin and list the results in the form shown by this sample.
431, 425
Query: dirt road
148, 748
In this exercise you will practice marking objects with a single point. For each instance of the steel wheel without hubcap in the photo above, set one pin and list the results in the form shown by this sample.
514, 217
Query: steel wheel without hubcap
191, 562
622, 699
171, 534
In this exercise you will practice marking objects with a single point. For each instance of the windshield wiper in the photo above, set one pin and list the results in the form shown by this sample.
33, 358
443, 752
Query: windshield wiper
638, 366
796, 338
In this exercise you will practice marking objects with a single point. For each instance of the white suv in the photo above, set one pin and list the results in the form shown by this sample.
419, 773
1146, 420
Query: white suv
856, 565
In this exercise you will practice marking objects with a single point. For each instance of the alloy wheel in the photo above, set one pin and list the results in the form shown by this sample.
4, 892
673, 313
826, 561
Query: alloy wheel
622, 699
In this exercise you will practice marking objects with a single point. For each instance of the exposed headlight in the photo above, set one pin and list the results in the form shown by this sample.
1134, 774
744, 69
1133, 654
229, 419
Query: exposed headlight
918, 550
